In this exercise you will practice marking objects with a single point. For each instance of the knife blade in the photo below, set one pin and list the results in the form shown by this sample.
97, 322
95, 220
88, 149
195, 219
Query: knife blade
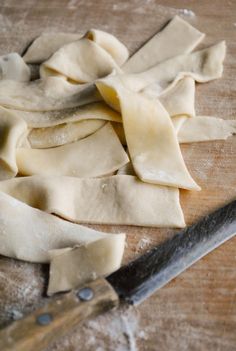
163, 263
132, 283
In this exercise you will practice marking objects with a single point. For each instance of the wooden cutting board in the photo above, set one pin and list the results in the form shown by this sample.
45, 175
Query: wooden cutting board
196, 311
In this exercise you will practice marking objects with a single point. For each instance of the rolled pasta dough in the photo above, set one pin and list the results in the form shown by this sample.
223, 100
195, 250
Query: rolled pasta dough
120, 199
99, 154
13, 67
30, 234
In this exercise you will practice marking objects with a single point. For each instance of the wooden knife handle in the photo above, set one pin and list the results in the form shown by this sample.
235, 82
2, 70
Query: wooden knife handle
36, 331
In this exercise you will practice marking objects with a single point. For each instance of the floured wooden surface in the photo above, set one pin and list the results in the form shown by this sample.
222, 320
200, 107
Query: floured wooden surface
197, 310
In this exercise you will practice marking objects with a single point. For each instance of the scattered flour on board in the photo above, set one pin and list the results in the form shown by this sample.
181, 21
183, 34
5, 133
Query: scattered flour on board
119, 6
118, 330
186, 12
143, 244
203, 170
123, 330
72, 4
22, 291
5, 23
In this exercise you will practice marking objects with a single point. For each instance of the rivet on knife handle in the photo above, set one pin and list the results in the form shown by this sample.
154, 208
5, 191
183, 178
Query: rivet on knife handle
58, 317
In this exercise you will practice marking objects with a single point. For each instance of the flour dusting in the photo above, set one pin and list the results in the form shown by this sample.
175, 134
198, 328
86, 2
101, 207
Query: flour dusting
118, 330
143, 244
123, 330
119, 6
6, 24
72, 4
187, 12
22, 285
130, 333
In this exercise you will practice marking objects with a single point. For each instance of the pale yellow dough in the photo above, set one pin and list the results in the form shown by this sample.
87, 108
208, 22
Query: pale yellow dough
62, 134
12, 129
178, 101
97, 155
203, 66
150, 136
99, 258
96, 110
13, 67
45, 45
177, 37
127, 169
76, 62
180, 98
66, 126
109, 43
120, 199
49, 94
29, 234
200, 128
203, 128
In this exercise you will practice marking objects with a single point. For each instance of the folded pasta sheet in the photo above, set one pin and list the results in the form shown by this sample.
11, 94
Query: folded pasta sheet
49, 94
46, 44
12, 130
177, 37
189, 130
96, 259
44, 119
30, 234
75, 61
43, 138
99, 154
205, 128
120, 199
13, 67
150, 136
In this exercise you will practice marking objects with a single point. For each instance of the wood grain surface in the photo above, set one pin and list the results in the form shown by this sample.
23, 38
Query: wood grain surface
197, 310
61, 315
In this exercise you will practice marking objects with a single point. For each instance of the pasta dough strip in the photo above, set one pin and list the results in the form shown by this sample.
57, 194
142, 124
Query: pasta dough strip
177, 37
179, 100
12, 66
197, 129
49, 94
203, 66
151, 138
12, 129
75, 61
99, 154
109, 43
46, 44
96, 110
99, 258
120, 199
203, 128
29, 234
63, 133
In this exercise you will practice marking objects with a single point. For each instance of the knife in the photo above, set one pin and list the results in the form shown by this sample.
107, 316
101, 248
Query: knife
131, 284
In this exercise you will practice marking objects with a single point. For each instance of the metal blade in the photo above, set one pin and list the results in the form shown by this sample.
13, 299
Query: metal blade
142, 277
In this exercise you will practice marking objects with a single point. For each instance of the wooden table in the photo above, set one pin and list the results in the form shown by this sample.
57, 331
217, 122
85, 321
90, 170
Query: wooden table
196, 311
